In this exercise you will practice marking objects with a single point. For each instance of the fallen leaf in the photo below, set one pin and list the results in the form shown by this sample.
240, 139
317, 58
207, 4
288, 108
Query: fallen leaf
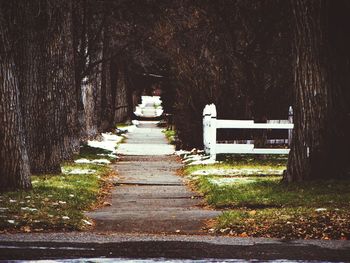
86, 222
244, 234
26, 229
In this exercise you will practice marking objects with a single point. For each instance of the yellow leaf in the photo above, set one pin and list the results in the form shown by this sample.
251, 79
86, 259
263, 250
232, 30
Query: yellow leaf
26, 229
252, 213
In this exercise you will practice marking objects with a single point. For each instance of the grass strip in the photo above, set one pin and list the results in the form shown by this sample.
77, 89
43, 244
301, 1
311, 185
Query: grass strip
258, 204
58, 202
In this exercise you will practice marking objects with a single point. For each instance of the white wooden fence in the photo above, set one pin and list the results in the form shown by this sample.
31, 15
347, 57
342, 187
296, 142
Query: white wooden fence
211, 124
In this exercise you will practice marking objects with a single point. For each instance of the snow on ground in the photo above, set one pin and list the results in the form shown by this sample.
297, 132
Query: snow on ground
96, 161
237, 171
111, 155
182, 153
203, 162
228, 181
195, 158
109, 142
78, 171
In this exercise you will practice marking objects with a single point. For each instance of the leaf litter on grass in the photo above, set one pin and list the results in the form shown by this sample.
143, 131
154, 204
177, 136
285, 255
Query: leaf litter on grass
56, 202
258, 205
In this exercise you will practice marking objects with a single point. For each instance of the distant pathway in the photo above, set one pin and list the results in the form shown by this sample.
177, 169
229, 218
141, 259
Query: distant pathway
149, 196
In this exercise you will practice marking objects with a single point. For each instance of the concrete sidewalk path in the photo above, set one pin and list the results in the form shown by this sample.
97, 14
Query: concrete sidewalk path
149, 196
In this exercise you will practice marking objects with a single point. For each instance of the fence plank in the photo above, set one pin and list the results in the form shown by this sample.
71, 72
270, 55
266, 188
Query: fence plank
234, 148
270, 151
211, 124
238, 124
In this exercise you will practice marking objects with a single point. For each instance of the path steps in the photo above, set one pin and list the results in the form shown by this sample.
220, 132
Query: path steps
149, 196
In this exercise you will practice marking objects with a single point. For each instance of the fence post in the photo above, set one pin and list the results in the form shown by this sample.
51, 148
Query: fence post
290, 131
212, 131
206, 121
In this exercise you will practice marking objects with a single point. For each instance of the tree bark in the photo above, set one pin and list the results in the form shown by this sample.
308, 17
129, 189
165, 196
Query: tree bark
14, 162
321, 68
46, 74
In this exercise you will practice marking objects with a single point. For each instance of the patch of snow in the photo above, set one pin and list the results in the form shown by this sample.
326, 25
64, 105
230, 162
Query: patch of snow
78, 171
228, 181
96, 161
204, 162
111, 155
11, 221
12, 201
65, 217
182, 152
195, 157
109, 142
86, 222
101, 161
29, 209
82, 160
237, 171
320, 209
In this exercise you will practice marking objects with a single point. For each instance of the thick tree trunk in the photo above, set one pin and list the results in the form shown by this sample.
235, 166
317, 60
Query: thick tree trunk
14, 163
321, 137
48, 94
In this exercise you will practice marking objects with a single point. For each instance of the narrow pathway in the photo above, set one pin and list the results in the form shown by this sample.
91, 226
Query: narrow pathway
149, 196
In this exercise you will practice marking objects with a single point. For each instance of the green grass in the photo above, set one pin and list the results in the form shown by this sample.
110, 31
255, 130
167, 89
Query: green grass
56, 202
170, 135
270, 192
121, 125
260, 205
253, 160
91, 153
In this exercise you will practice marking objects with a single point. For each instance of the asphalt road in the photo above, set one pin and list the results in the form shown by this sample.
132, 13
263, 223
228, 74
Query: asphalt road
89, 245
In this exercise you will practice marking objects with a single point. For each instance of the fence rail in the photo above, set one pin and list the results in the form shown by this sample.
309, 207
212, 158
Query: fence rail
211, 124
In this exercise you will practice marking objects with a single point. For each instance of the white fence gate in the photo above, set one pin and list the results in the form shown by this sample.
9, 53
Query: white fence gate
211, 124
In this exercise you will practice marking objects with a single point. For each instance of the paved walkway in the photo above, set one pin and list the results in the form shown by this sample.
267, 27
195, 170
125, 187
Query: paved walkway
149, 196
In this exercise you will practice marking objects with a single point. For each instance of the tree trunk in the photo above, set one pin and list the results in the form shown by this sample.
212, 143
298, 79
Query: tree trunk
46, 74
14, 163
121, 103
107, 98
321, 68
